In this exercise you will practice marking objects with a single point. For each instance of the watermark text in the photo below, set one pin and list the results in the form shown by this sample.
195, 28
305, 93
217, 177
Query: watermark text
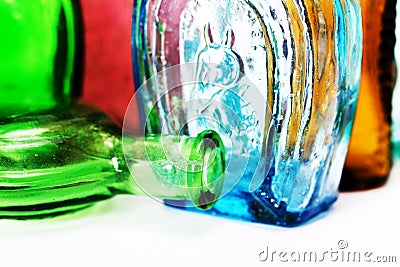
341, 253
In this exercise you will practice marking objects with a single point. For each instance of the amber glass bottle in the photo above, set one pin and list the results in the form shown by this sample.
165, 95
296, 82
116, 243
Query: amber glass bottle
369, 159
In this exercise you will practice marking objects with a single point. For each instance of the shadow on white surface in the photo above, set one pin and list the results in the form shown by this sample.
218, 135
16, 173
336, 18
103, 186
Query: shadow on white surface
128, 230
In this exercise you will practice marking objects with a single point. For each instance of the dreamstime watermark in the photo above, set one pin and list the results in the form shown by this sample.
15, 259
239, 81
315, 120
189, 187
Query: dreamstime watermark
187, 100
341, 253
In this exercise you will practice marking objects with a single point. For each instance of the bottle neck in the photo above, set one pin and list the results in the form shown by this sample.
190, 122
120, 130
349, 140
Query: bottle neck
177, 167
75, 157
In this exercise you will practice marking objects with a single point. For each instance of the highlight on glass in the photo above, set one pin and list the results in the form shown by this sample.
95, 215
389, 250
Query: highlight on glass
58, 155
277, 80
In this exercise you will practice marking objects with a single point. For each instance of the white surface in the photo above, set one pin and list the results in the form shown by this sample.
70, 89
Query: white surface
128, 230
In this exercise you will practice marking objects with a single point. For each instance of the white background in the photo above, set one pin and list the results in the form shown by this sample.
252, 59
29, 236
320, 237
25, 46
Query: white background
138, 231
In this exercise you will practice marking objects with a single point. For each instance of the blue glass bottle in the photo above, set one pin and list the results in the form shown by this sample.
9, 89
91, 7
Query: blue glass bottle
278, 80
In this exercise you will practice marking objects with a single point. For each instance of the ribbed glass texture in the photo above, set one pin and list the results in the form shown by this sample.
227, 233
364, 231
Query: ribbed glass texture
53, 164
59, 156
278, 80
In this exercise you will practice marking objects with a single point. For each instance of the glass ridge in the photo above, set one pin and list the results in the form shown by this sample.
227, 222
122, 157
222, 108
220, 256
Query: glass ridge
301, 58
58, 155
65, 161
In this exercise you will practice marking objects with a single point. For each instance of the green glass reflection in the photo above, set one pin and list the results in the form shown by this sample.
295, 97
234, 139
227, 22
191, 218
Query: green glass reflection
67, 160
58, 156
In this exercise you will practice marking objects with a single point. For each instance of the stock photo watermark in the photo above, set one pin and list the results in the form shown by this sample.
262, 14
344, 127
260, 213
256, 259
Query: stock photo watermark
341, 253
225, 102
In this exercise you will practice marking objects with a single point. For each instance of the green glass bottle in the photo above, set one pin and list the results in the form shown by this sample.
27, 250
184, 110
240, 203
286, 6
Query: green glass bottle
40, 61
58, 155
67, 160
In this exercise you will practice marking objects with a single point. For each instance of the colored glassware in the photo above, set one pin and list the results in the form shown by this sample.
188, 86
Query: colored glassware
39, 59
67, 160
58, 156
278, 80
369, 159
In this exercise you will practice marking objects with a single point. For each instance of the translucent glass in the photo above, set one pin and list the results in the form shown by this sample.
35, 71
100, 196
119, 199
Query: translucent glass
278, 80
66, 161
39, 67
396, 94
368, 166
59, 156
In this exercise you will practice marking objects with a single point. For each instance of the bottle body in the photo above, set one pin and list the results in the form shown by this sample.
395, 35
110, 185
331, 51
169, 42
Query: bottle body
278, 80
369, 165
67, 160
40, 61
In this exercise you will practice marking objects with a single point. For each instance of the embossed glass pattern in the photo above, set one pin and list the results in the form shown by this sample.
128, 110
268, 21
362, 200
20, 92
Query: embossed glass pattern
59, 156
278, 80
